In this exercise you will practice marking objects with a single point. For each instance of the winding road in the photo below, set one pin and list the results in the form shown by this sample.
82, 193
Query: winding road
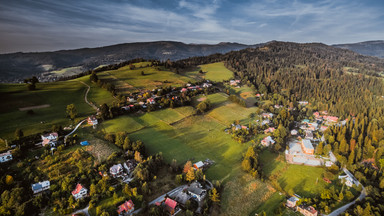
86, 96
342, 209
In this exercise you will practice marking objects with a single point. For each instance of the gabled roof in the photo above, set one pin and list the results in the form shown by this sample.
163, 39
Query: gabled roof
77, 189
127, 206
198, 164
170, 203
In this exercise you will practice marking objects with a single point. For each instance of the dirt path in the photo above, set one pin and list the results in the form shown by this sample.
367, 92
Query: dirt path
86, 96
34, 107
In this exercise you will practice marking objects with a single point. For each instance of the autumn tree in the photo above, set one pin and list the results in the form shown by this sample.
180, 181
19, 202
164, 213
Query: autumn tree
71, 111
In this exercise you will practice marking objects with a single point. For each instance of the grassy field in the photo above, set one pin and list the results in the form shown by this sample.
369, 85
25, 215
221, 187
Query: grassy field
55, 95
246, 93
216, 99
230, 112
216, 72
127, 80
135, 122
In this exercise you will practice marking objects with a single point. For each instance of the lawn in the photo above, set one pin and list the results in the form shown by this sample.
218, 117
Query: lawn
216, 99
293, 179
216, 72
195, 138
135, 122
270, 204
230, 112
56, 96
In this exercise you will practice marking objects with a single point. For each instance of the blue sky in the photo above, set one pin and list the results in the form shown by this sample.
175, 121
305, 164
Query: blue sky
40, 25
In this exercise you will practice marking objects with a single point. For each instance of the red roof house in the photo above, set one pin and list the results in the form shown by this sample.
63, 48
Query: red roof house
126, 208
170, 205
79, 192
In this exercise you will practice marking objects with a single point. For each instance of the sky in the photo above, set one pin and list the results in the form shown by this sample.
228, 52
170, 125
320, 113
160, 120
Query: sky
48, 25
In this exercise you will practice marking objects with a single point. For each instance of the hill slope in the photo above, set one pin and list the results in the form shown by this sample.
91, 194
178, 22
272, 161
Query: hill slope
16, 66
371, 48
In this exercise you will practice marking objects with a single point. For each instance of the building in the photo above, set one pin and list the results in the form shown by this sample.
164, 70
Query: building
303, 103
170, 205
294, 132
269, 130
92, 120
198, 165
130, 165
197, 191
40, 186
6, 156
347, 180
151, 101
126, 208
291, 202
267, 115
307, 146
50, 139
307, 210
309, 134
116, 170
79, 192
267, 141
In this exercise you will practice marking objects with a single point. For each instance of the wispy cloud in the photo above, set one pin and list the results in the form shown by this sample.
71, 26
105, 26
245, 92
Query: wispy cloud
49, 25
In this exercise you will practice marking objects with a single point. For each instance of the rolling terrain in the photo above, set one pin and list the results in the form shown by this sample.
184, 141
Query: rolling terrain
16, 66
370, 48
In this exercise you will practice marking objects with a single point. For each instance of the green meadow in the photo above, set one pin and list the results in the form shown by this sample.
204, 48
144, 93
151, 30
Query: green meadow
56, 96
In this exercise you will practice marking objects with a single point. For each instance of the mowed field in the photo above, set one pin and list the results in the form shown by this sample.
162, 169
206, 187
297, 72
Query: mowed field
246, 93
56, 96
216, 72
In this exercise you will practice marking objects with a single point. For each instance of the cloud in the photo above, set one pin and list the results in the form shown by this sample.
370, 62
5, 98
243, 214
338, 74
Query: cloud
49, 25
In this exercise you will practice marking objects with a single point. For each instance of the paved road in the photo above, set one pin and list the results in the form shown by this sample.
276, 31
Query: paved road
342, 209
77, 126
86, 96
85, 211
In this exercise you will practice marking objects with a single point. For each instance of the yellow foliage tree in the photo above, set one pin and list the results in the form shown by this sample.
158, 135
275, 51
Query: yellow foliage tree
190, 175
9, 179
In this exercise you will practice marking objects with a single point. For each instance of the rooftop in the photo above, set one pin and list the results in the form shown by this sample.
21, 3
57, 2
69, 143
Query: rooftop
307, 144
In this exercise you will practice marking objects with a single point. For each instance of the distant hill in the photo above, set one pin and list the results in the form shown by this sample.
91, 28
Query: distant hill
370, 48
16, 66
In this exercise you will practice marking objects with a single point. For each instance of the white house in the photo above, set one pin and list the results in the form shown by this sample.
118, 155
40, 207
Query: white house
6, 156
116, 170
50, 139
267, 141
198, 165
40, 186
197, 191
79, 192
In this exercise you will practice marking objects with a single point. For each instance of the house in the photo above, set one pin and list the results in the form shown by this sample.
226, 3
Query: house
50, 139
151, 101
182, 197
307, 210
313, 126
170, 205
307, 146
130, 165
267, 115
323, 128
92, 120
347, 180
116, 170
316, 114
207, 85
265, 122
294, 132
197, 191
40, 186
328, 163
305, 121
198, 165
6, 156
269, 130
332, 119
278, 106
267, 141
308, 134
303, 103
79, 192
291, 202
126, 208
234, 82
